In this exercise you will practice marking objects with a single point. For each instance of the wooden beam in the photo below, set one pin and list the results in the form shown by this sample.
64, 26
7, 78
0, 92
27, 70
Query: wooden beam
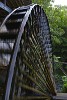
60, 96
4, 7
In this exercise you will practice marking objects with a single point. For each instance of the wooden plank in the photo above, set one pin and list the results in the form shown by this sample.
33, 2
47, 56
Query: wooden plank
60, 96
31, 98
16, 3
4, 7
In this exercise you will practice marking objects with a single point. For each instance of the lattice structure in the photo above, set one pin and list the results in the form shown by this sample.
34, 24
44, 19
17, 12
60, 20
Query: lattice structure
6, 6
16, 3
25, 53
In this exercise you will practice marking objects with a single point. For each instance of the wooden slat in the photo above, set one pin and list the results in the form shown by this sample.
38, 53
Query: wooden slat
4, 7
13, 25
16, 3
7, 35
3, 67
23, 9
5, 51
60, 96
17, 16
31, 98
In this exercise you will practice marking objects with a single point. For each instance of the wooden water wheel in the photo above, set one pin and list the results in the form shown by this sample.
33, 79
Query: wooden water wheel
26, 55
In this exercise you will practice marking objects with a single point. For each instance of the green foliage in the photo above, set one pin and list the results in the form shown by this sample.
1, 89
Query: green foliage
64, 79
56, 20
57, 17
64, 89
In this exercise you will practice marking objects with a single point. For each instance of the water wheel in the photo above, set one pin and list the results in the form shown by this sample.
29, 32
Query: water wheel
26, 55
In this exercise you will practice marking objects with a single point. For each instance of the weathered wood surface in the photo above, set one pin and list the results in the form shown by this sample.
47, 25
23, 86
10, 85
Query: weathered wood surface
39, 31
6, 6
16, 3
60, 96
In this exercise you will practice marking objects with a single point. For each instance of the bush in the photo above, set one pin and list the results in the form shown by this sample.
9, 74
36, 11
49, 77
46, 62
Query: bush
64, 89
